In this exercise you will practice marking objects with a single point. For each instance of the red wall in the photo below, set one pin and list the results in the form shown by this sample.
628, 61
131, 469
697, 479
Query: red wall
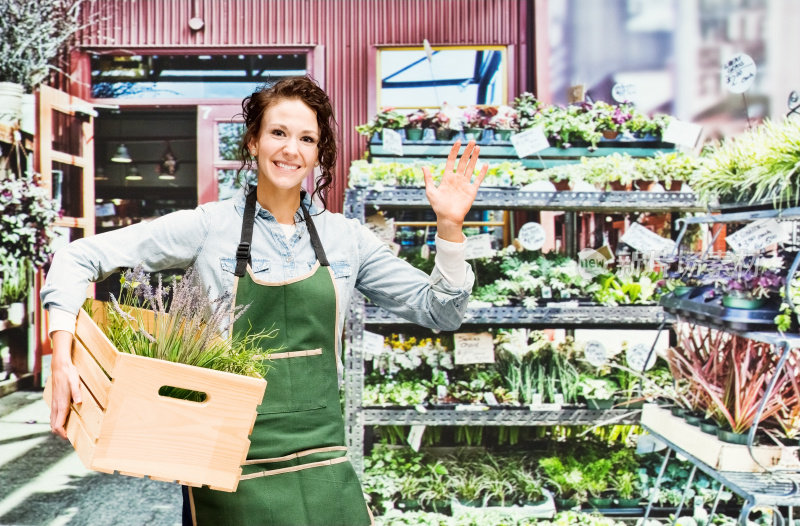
347, 29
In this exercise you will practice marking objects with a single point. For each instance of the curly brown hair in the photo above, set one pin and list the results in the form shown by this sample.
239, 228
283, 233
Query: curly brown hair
308, 91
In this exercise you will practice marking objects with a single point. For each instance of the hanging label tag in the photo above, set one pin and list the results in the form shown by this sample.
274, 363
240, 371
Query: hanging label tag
739, 73
532, 236
646, 241
490, 398
757, 235
473, 347
392, 142
372, 343
683, 133
415, 437
624, 92
639, 357
479, 246
530, 141
595, 353
424, 251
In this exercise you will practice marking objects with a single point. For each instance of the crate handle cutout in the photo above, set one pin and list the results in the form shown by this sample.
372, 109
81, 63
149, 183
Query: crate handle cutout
169, 391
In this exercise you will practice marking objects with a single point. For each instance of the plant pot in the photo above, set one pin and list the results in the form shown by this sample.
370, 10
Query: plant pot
674, 186
600, 502
473, 133
566, 504
731, 437
10, 103
408, 504
3, 312
677, 411
736, 302
503, 135
16, 313
617, 186
709, 426
438, 506
628, 503
682, 290
692, 419
414, 134
472, 503
541, 502
610, 135
561, 186
629, 404
599, 403
444, 134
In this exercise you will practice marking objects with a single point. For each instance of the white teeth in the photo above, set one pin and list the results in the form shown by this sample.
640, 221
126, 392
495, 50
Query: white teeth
286, 166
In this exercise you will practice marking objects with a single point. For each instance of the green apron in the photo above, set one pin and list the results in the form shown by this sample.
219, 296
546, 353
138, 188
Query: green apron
296, 472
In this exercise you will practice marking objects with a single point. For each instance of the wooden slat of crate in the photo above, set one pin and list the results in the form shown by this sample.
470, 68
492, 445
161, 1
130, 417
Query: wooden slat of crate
96, 342
92, 375
721, 456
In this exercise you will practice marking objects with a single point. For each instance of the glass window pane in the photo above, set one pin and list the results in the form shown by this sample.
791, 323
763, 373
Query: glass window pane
68, 189
229, 181
67, 136
229, 134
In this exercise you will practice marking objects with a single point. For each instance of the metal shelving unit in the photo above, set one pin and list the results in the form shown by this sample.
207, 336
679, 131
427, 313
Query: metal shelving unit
585, 316
630, 316
769, 489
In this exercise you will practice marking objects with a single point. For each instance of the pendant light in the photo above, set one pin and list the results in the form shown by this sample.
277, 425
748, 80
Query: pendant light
121, 155
133, 174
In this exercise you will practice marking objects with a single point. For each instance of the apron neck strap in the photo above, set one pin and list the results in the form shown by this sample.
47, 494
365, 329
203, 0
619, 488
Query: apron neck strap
243, 250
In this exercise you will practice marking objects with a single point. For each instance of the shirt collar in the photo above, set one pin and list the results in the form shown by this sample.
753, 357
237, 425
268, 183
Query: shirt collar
241, 195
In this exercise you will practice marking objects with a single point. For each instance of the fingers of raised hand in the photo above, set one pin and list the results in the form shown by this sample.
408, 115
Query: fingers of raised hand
469, 152
451, 159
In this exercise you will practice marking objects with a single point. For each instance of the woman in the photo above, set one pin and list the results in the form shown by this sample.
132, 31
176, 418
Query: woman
296, 266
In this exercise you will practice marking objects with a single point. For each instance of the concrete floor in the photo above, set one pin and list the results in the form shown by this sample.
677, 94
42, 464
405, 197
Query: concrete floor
43, 483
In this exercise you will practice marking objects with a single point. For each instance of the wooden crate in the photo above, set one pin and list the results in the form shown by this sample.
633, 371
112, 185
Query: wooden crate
123, 425
720, 455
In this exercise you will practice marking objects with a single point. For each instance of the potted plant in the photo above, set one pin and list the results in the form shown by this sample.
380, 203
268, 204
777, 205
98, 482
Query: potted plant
388, 118
446, 122
34, 33
503, 123
474, 119
415, 123
749, 289
435, 488
528, 110
609, 119
14, 279
598, 392
566, 478
597, 474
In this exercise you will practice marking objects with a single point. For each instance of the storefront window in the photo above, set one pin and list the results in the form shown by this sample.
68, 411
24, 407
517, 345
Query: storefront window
229, 181
230, 134
460, 76
189, 76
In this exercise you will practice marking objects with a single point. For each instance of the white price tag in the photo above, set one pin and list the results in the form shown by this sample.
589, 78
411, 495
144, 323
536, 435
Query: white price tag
595, 353
490, 398
479, 246
372, 344
683, 133
645, 241
739, 73
532, 236
424, 251
592, 262
530, 141
624, 92
639, 357
415, 437
757, 235
392, 142
473, 347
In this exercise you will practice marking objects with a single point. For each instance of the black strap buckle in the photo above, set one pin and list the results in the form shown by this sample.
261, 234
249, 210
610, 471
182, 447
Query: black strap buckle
243, 250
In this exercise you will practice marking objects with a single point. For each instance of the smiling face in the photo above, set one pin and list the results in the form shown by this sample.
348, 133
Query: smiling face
286, 148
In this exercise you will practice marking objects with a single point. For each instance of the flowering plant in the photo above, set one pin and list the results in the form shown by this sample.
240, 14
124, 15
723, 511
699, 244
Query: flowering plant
417, 119
609, 117
388, 118
752, 284
447, 118
504, 119
474, 117
27, 216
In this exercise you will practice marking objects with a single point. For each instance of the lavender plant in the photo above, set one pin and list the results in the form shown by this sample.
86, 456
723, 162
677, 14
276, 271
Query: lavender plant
190, 329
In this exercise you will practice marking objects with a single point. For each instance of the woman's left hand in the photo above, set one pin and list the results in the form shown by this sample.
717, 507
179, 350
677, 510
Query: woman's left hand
453, 198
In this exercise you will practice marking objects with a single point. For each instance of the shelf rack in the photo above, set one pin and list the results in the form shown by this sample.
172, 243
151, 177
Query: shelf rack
769, 489
493, 416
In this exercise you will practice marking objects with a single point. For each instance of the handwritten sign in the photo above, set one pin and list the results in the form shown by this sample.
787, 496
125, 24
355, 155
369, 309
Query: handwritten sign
473, 347
392, 142
479, 246
640, 358
595, 353
622, 92
641, 239
593, 262
739, 73
532, 236
530, 141
372, 344
683, 133
757, 235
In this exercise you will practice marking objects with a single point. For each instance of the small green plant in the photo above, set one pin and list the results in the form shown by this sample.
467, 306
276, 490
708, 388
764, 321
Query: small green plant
188, 329
14, 281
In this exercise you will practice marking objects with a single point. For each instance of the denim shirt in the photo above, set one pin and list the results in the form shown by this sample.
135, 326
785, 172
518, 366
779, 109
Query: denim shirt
207, 237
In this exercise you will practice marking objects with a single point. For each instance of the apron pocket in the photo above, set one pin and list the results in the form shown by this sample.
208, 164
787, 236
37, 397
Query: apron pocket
295, 382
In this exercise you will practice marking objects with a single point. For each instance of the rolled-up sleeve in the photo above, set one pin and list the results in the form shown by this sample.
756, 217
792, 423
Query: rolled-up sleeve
171, 241
392, 283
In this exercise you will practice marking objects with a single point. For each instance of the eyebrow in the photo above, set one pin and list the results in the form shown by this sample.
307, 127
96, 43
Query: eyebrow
281, 125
